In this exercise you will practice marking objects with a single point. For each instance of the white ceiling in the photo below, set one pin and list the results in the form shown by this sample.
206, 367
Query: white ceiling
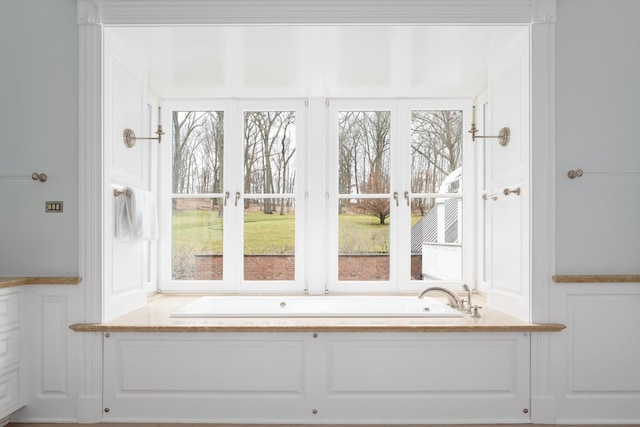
331, 61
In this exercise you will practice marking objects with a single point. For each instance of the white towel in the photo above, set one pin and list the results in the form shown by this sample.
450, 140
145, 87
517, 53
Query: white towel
136, 215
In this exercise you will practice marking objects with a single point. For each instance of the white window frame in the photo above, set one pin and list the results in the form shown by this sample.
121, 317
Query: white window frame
400, 232
233, 237
316, 244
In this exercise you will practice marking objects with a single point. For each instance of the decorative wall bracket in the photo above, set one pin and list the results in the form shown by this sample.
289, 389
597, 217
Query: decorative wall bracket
503, 136
129, 136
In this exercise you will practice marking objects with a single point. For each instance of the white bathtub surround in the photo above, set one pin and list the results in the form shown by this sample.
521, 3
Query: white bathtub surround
317, 377
314, 370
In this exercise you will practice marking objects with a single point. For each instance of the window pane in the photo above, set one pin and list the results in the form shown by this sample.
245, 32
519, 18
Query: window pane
436, 150
364, 156
269, 168
197, 239
364, 161
197, 168
198, 144
363, 241
436, 167
269, 239
436, 250
269, 152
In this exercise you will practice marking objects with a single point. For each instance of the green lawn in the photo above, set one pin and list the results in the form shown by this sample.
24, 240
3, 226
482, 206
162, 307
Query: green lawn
200, 232
361, 234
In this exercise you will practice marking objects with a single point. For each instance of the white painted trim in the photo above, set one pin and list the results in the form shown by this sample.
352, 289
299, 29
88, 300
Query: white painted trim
544, 11
239, 12
92, 14
89, 12
543, 383
89, 367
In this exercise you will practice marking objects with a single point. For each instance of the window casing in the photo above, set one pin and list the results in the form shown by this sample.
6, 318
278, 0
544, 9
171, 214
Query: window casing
317, 195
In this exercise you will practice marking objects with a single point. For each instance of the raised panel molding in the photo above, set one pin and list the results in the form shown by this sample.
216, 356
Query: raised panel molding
9, 387
595, 358
316, 378
600, 360
213, 377
9, 348
217, 367
54, 345
378, 371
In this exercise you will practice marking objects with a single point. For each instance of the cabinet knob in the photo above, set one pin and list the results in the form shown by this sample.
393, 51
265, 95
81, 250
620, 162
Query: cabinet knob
575, 173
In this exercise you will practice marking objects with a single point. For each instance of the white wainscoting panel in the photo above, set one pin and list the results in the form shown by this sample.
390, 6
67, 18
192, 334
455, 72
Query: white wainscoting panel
426, 378
9, 348
9, 390
596, 339
10, 310
204, 377
54, 344
316, 378
50, 360
598, 367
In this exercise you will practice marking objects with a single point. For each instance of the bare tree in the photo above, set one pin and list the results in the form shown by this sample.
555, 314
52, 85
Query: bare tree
436, 147
364, 159
269, 152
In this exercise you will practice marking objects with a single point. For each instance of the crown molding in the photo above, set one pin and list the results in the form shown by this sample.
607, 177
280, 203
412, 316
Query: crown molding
289, 12
89, 12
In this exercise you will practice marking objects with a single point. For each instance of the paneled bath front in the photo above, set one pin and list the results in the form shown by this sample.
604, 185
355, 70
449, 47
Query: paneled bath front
324, 377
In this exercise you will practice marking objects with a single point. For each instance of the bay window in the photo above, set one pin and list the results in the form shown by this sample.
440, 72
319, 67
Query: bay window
386, 212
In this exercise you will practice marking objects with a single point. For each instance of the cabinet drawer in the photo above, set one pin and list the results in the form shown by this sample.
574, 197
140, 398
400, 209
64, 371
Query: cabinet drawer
9, 309
9, 348
9, 393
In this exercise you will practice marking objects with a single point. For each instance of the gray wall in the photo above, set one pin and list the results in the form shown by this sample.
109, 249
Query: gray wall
597, 116
39, 132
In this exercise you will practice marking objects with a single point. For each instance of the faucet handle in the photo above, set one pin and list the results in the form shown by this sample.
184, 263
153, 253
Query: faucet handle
474, 310
463, 305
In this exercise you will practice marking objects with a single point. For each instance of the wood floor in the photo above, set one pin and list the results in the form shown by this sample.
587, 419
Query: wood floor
12, 424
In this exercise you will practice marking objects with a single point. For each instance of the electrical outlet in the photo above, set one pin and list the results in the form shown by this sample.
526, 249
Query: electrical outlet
53, 207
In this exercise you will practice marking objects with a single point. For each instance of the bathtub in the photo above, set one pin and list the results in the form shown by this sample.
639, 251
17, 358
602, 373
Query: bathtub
315, 306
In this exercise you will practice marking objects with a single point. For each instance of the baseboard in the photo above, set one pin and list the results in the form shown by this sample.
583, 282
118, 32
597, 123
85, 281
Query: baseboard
543, 410
89, 409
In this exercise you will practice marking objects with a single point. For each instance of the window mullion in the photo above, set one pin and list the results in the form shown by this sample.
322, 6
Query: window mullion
233, 233
400, 179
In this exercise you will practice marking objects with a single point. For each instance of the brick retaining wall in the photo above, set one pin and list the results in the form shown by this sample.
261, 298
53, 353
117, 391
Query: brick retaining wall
281, 267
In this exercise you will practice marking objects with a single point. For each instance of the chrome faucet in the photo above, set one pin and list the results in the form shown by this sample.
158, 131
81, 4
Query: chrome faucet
454, 301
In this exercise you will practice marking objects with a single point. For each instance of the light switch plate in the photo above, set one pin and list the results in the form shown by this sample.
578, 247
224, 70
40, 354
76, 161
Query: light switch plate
53, 207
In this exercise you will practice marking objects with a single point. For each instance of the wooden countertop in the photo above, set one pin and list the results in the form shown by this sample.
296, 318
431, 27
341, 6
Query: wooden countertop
155, 318
8, 282
597, 278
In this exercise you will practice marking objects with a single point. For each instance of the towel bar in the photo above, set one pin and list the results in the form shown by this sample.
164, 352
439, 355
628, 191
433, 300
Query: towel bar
42, 177
117, 192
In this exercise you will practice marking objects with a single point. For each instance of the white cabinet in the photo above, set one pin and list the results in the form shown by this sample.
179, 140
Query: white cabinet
10, 351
